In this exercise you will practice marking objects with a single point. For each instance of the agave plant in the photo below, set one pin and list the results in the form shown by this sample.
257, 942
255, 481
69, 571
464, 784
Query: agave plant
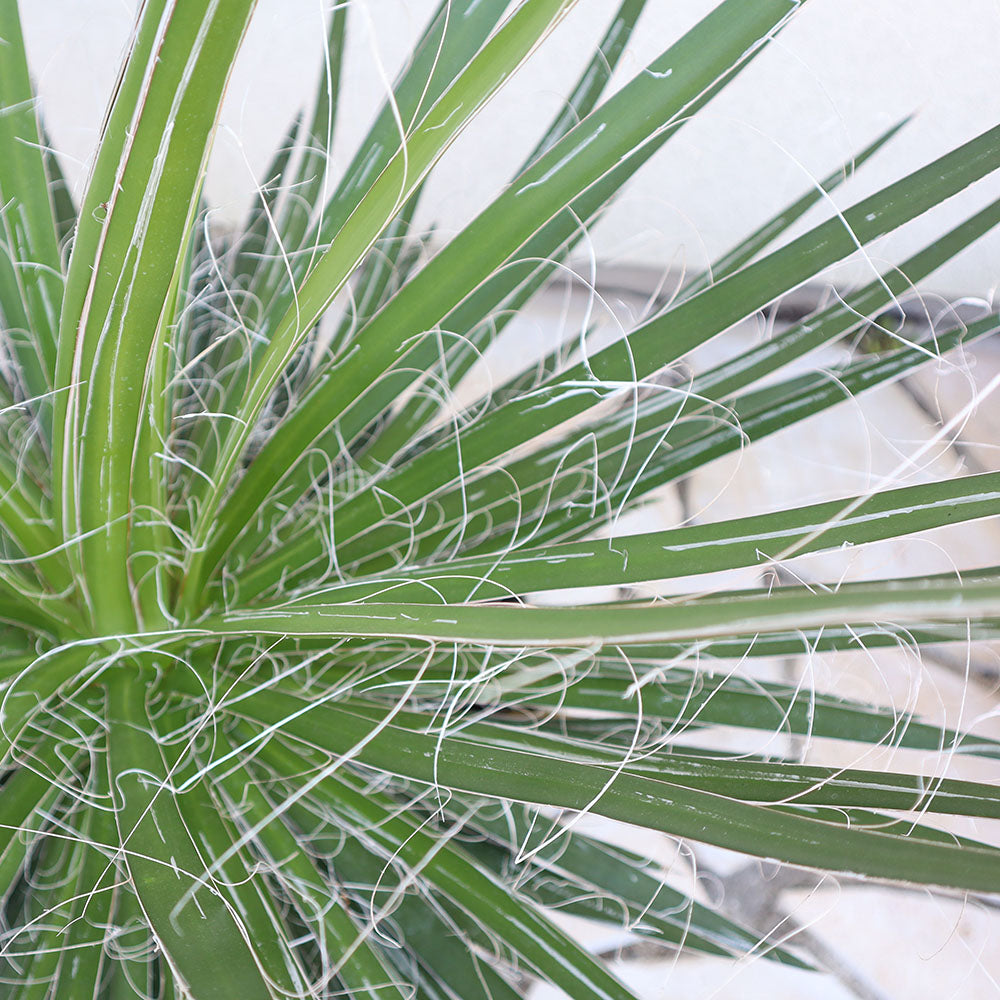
285, 709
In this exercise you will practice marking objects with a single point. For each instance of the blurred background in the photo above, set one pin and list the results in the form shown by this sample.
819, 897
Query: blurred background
839, 75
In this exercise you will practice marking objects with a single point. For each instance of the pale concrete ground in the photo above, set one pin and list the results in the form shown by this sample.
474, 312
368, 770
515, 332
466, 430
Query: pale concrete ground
886, 943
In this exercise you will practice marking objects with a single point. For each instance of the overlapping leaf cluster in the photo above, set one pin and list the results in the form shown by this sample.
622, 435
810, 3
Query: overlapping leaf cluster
278, 718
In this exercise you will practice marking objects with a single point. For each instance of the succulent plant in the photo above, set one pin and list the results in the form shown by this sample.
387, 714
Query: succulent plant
283, 712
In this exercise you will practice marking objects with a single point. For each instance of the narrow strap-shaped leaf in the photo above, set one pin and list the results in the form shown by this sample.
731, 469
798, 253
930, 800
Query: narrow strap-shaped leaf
151, 538
550, 952
35, 944
580, 103
194, 927
806, 641
26, 797
254, 240
743, 778
251, 898
85, 961
763, 236
311, 180
133, 953
34, 688
634, 890
648, 454
358, 966
690, 550
439, 946
403, 173
475, 318
617, 368
620, 439
453, 35
114, 139
780, 782
712, 653
376, 276
816, 329
149, 213
902, 600
603, 686
648, 104
391, 439
27, 222
528, 776
680, 697
63, 206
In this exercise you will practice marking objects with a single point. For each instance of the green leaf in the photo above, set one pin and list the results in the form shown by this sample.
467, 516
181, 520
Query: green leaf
524, 775
29, 249
345, 951
149, 213
27, 797
251, 897
402, 175
900, 601
63, 205
461, 355
748, 248
190, 918
602, 688
454, 34
311, 180
400, 429
651, 102
623, 441
58, 672
746, 778
114, 139
254, 241
806, 641
644, 454
685, 551
578, 874
85, 960
133, 974
618, 368
679, 697
438, 936
542, 946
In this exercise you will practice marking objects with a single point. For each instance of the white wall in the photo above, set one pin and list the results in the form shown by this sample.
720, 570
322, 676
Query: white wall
844, 71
